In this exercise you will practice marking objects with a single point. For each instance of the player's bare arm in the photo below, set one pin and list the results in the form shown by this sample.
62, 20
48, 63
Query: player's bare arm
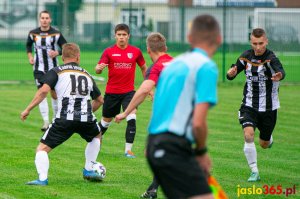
232, 71
277, 77
137, 99
40, 95
200, 134
99, 67
144, 69
30, 58
97, 103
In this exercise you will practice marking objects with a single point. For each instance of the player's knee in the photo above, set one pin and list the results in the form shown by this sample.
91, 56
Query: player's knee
104, 125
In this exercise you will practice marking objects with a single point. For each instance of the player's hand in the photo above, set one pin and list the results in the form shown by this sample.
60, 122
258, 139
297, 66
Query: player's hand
100, 67
53, 53
24, 114
120, 117
31, 60
151, 95
232, 71
276, 77
205, 163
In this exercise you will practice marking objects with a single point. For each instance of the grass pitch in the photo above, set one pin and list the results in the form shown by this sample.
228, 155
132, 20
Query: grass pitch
128, 178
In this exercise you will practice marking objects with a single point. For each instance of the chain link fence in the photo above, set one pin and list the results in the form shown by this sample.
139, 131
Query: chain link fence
90, 23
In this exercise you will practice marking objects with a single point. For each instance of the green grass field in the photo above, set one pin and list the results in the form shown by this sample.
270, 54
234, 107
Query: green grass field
128, 178
14, 65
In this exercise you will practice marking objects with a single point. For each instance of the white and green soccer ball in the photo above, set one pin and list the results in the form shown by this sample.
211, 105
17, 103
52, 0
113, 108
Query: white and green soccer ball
100, 169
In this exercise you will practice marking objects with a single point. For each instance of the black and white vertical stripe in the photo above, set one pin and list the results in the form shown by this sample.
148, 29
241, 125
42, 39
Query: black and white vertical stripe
260, 92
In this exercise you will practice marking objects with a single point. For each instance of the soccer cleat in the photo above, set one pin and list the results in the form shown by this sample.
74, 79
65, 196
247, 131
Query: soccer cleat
91, 175
150, 194
254, 177
45, 126
38, 182
129, 154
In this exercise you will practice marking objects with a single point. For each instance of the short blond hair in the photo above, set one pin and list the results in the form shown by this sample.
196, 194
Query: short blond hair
70, 50
156, 42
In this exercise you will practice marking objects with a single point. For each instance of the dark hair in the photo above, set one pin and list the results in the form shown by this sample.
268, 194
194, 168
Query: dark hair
46, 12
122, 26
258, 32
156, 42
205, 28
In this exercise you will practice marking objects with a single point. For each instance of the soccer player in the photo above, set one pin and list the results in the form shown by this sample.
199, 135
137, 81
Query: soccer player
156, 48
74, 87
186, 89
47, 42
121, 60
259, 106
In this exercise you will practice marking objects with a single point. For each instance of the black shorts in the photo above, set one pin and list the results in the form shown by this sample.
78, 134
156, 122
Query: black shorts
174, 164
113, 102
264, 121
38, 75
61, 130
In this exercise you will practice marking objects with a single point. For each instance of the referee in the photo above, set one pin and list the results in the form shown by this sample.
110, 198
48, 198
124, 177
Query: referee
46, 41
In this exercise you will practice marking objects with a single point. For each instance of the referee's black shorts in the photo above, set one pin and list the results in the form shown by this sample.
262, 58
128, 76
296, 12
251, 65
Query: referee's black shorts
174, 164
61, 130
264, 121
113, 103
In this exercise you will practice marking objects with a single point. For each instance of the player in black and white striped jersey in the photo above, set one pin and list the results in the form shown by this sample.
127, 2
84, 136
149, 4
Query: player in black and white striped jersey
75, 88
263, 72
47, 43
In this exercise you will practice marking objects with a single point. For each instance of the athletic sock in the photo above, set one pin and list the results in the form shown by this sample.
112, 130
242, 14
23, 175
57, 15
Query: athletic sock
42, 164
91, 153
43, 106
130, 129
128, 147
251, 156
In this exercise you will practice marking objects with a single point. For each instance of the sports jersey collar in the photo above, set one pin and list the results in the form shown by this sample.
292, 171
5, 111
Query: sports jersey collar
199, 50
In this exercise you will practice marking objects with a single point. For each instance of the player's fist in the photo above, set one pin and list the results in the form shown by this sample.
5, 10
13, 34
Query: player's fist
232, 71
276, 77
24, 115
31, 60
100, 67
53, 53
120, 117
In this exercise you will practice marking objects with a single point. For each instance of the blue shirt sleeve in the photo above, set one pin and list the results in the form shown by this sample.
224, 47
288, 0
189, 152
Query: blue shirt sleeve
206, 84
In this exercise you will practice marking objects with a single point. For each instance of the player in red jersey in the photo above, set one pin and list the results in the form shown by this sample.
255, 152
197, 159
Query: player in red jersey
121, 60
156, 48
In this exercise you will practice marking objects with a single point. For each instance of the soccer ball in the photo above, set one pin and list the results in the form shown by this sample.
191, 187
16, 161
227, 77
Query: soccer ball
99, 169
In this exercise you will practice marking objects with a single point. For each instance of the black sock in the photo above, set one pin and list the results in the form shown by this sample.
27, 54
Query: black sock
154, 185
130, 131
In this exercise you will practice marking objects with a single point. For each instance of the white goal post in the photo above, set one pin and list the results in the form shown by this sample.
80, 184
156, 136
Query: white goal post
281, 24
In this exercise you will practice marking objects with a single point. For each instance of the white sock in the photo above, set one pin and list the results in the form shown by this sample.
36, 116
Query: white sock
91, 153
44, 110
128, 147
54, 106
271, 140
251, 156
42, 164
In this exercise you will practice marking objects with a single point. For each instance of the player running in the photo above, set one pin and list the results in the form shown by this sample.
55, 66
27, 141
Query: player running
121, 60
